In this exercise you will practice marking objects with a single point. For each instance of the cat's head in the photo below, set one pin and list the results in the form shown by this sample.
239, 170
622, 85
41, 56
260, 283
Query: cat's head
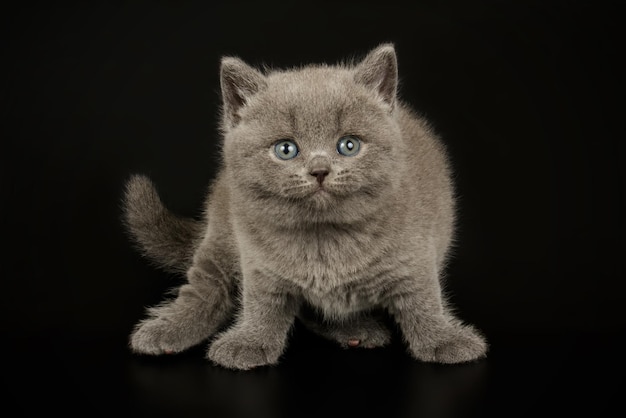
318, 143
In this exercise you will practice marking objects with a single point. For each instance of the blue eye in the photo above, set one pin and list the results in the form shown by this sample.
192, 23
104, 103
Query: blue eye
349, 146
286, 150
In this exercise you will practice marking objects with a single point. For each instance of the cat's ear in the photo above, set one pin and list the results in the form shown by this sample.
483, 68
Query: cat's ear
379, 72
238, 82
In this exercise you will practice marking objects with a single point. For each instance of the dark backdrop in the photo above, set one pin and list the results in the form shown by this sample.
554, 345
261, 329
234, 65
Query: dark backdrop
527, 96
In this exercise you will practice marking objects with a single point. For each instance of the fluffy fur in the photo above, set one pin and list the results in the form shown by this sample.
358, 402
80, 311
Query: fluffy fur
328, 238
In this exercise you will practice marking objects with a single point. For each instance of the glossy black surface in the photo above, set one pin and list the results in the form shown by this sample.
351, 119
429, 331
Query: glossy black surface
528, 97
525, 375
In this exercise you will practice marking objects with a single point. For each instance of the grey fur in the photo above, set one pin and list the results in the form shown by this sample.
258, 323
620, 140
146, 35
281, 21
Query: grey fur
278, 242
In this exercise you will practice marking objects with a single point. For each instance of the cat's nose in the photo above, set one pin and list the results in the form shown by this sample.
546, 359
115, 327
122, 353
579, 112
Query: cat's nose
320, 173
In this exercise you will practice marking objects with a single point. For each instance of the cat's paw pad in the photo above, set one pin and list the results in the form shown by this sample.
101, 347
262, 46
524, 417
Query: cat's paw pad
364, 334
368, 339
235, 350
354, 342
360, 339
372, 335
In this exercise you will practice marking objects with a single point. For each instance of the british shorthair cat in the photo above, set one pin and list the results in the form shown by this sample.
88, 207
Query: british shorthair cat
333, 202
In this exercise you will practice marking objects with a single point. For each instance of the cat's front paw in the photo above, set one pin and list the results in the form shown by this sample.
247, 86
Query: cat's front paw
161, 336
239, 350
462, 346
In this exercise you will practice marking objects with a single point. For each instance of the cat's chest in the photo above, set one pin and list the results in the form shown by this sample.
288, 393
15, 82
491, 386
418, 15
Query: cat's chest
328, 263
325, 255
338, 270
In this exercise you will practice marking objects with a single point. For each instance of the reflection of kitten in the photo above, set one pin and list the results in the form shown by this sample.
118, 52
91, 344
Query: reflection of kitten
334, 200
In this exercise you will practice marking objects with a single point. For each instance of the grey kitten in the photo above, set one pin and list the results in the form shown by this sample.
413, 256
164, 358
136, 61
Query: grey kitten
333, 203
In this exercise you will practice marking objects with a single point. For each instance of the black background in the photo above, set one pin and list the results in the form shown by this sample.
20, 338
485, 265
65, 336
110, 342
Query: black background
527, 96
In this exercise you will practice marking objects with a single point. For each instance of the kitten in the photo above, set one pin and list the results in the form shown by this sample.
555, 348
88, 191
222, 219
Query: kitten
333, 203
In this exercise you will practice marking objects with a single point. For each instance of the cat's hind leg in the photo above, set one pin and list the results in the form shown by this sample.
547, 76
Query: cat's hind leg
201, 307
366, 330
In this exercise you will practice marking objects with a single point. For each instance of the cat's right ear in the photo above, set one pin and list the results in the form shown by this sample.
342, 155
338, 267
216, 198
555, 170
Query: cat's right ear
238, 82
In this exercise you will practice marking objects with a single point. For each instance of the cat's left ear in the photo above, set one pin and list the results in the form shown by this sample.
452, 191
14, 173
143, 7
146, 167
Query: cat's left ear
379, 72
239, 82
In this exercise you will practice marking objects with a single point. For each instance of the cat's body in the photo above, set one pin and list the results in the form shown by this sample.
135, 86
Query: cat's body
333, 198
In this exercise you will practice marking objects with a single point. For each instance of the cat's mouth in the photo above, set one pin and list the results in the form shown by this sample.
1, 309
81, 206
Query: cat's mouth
321, 191
321, 198
329, 191
320, 194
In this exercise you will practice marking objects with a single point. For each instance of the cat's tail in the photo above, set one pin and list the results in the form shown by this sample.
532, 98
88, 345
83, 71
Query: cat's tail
167, 240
